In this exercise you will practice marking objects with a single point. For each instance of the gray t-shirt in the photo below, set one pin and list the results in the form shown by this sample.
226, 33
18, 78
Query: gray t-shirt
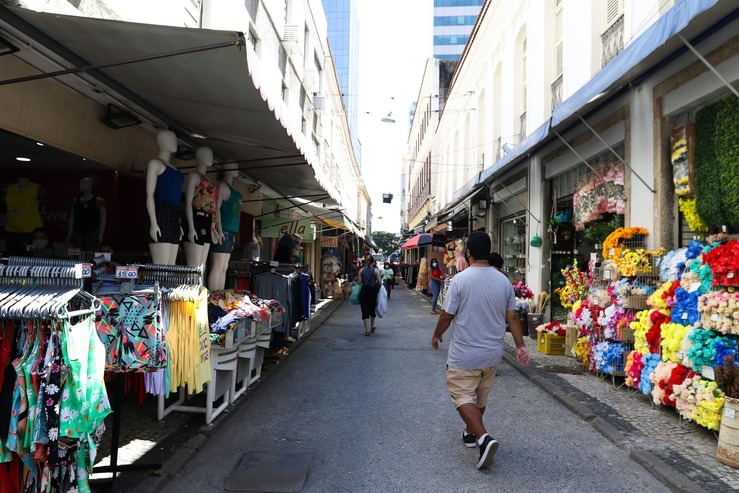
478, 297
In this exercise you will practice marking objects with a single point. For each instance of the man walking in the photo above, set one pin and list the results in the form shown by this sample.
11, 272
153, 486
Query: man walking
478, 303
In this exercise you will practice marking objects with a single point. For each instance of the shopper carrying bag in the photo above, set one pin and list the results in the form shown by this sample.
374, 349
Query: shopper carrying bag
381, 308
371, 281
354, 298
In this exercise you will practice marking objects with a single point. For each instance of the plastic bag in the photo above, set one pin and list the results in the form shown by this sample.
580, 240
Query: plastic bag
381, 308
354, 297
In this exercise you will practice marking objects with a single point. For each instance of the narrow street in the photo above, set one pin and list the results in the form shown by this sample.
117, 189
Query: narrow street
374, 415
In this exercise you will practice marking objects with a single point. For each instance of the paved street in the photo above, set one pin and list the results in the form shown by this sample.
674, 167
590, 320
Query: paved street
374, 415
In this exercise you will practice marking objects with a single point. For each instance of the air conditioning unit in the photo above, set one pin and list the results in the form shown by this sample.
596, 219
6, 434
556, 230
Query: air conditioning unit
291, 39
319, 103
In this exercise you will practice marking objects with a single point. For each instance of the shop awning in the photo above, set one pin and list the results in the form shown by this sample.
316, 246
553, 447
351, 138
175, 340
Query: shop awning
221, 94
333, 218
423, 239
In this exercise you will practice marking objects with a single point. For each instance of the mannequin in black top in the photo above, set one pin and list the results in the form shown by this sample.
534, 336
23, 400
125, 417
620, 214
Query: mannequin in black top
87, 219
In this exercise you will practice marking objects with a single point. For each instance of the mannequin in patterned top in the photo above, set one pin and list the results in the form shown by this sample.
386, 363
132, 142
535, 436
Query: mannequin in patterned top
201, 211
229, 206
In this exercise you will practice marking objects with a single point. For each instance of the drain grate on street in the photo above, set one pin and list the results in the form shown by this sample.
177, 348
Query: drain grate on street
266, 472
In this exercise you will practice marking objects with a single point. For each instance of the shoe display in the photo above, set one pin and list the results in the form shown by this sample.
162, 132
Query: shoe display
487, 452
470, 440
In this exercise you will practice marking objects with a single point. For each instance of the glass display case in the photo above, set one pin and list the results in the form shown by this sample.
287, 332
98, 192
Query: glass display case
513, 248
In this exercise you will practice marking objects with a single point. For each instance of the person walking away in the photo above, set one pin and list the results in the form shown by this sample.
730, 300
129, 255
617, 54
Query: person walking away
370, 278
434, 284
388, 278
479, 302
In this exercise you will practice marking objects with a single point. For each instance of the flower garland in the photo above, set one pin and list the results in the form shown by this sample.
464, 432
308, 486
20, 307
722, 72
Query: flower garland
720, 311
650, 362
612, 244
724, 263
554, 328
689, 210
672, 341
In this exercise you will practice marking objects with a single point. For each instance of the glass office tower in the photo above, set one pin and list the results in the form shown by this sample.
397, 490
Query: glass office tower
343, 36
453, 21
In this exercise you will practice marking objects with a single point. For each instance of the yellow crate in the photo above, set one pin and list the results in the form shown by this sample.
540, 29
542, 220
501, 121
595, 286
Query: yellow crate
550, 344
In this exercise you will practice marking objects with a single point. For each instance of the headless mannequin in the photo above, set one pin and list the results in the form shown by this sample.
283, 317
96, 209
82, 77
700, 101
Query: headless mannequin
162, 252
219, 260
197, 247
77, 230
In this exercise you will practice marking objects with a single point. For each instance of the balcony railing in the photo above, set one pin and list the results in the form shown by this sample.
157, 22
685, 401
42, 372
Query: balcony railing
557, 92
613, 41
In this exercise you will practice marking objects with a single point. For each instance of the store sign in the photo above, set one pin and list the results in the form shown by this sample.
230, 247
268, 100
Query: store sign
330, 242
277, 227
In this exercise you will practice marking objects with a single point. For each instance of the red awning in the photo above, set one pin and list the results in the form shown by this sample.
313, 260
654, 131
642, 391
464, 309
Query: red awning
419, 240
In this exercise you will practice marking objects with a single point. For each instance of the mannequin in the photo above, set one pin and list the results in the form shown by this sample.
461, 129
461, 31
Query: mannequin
201, 211
229, 206
87, 219
163, 202
23, 203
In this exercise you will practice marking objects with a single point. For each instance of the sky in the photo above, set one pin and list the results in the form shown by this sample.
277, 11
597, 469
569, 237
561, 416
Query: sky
395, 42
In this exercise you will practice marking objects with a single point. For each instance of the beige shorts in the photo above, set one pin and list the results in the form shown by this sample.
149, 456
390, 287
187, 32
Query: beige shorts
470, 386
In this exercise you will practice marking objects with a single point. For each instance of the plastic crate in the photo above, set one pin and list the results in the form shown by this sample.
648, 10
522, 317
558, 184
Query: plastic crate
550, 344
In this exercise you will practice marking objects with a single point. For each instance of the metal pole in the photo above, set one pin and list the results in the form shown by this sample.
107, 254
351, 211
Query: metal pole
615, 153
578, 155
708, 64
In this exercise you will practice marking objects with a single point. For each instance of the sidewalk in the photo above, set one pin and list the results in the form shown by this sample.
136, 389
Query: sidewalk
680, 453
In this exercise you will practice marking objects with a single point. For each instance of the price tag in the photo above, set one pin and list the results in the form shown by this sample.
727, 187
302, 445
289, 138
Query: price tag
714, 317
611, 252
729, 413
595, 300
707, 372
729, 275
83, 271
685, 316
607, 274
274, 263
679, 355
593, 256
694, 286
126, 272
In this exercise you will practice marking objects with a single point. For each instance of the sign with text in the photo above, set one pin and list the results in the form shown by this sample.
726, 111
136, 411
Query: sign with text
277, 227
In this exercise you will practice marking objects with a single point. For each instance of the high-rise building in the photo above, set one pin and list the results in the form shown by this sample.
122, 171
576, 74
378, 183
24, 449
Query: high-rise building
343, 36
453, 21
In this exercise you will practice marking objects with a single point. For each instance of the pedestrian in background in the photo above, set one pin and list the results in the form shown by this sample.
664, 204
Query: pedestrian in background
479, 302
388, 278
434, 284
371, 281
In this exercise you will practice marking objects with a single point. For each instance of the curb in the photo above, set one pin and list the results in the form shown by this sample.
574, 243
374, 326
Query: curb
179, 460
663, 472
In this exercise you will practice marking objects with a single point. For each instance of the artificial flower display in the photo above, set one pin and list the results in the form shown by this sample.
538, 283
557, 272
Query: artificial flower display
700, 401
690, 212
650, 362
720, 310
613, 245
554, 328
608, 357
726, 351
634, 371
581, 350
679, 374
668, 267
663, 297
724, 263
659, 378
634, 262
599, 192
685, 307
577, 285
640, 326
703, 352
672, 341
522, 290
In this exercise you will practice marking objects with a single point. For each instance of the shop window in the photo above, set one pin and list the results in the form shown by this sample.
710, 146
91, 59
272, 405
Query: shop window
513, 247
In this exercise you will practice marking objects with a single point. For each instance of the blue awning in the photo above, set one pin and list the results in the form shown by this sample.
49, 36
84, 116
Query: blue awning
521, 150
650, 44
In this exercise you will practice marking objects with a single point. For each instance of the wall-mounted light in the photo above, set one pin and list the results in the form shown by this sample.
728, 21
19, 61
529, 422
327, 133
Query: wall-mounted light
387, 198
117, 118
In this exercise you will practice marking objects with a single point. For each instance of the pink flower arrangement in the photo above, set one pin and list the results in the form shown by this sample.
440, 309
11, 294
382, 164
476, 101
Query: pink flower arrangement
554, 328
720, 310
522, 290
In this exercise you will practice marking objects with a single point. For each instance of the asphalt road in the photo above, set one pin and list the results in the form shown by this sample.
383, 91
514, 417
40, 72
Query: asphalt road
374, 415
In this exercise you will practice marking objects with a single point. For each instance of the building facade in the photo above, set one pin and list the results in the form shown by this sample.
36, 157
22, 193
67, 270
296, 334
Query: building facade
453, 21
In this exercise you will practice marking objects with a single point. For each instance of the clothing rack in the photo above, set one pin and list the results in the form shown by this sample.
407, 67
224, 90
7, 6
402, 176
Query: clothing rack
37, 261
170, 275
